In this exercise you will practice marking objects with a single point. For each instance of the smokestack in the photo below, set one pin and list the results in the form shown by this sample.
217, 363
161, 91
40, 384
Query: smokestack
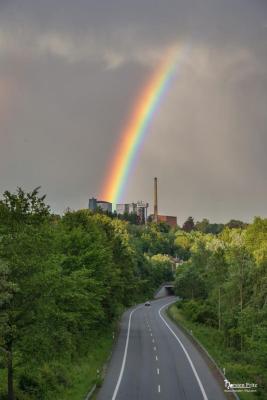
155, 199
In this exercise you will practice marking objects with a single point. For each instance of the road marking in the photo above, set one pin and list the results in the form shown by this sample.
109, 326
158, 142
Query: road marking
124, 355
159, 388
153, 340
158, 371
205, 397
155, 349
156, 358
151, 334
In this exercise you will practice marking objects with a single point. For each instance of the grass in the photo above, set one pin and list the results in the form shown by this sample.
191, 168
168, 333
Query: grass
213, 342
75, 378
87, 371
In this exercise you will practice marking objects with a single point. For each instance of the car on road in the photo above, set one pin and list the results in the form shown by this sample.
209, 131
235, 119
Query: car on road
147, 303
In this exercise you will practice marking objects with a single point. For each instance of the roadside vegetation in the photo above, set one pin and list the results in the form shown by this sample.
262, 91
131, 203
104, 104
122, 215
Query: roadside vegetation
65, 281
223, 287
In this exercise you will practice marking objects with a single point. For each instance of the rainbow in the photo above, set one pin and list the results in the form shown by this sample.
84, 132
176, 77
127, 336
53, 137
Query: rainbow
136, 128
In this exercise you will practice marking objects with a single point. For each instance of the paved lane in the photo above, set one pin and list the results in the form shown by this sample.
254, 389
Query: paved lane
153, 359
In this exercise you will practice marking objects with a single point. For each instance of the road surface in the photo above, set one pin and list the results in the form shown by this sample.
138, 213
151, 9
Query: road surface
153, 359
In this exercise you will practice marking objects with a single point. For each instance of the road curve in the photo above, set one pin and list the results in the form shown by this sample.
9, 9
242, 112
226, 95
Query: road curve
153, 359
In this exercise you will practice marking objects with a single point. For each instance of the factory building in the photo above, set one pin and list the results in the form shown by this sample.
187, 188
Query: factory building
142, 211
126, 208
92, 204
132, 208
104, 205
122, 209
168, 219
139, 208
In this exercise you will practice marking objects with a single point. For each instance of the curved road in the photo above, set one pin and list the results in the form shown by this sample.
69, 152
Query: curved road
153, 359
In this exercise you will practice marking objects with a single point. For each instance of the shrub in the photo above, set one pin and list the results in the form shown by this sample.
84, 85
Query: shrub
200, 312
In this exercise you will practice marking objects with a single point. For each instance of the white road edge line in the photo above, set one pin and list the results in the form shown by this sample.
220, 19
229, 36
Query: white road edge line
159, 388
156, 358
158, 371
205, 397
124, 356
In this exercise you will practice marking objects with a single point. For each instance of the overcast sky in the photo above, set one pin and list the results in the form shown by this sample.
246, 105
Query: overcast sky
70, 71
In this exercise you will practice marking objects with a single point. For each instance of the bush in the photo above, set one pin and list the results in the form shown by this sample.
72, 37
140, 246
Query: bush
29, 384
34, 385
248, 373
200, 312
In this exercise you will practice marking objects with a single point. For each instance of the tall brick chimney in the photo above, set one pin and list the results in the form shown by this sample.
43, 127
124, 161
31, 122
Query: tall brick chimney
155, 199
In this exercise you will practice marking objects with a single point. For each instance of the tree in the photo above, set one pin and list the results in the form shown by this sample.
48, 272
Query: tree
206, 227
183, 242
23, 249
217, 274
203, 226
161, 269
189, 225
156, 240
234, 223
189, 283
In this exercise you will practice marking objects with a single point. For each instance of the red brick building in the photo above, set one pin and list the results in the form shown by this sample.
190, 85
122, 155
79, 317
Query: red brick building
168, 219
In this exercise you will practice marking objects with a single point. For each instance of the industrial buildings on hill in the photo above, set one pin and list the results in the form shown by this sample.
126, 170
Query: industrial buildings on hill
94, 204
139, 208
168, 219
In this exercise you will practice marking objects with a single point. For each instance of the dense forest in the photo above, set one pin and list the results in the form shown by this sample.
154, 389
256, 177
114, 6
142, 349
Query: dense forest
224, 286
65, 279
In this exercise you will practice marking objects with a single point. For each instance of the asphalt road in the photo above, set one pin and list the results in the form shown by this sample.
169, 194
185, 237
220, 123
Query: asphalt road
153, 359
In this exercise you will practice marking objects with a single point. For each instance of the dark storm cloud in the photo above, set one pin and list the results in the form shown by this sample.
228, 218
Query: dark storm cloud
70, 71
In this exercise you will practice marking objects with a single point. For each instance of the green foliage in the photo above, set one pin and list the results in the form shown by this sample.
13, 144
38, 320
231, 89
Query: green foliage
238, 367
205, 226
199, 311
65, 279
188, 283
234, 223
161, 268
189, 225
156, 239
183, 242
224, 285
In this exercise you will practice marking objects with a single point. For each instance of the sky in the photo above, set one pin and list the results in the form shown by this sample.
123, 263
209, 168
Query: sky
70, 74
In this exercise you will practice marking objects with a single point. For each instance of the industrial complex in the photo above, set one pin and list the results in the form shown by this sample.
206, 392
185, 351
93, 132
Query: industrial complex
140, 208
94, 204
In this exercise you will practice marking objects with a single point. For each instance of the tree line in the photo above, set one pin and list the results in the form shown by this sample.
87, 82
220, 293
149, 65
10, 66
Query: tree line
223, 285
63, 280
